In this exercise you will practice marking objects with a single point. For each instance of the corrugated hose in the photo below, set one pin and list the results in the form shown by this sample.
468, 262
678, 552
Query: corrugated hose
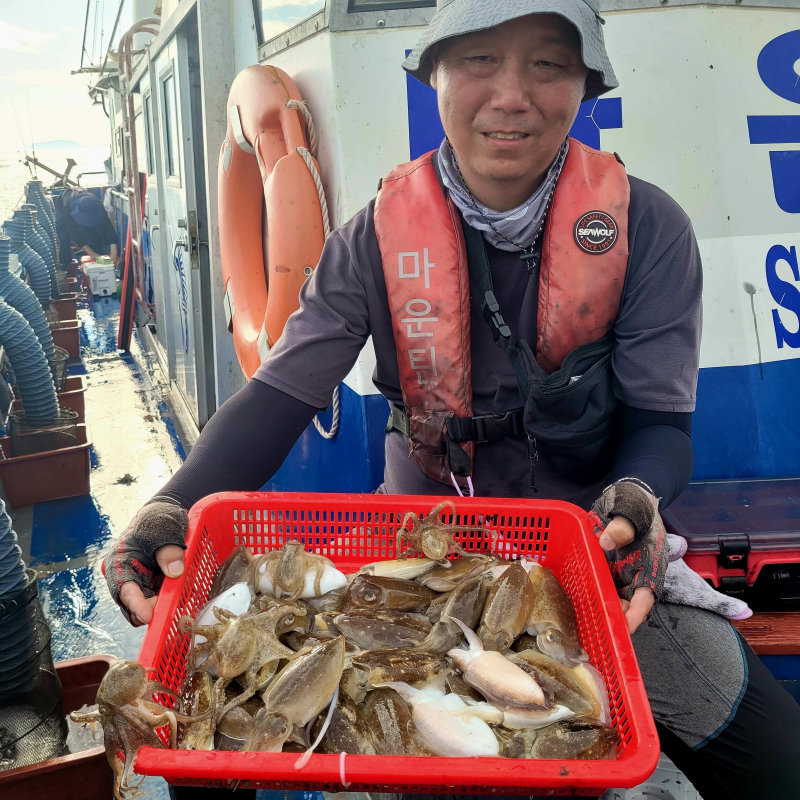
30, 260
19, 295
12, 566
31, 368
34, 193
44, 247
37, 238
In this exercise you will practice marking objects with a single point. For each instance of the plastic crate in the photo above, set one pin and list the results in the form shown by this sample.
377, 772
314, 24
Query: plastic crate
74, 776
71, 398
68, 336
66, 306
52, 475
353, 530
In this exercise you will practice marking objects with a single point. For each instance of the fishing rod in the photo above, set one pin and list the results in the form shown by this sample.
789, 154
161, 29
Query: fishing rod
111, 38
19, 128
85, 26
30, 127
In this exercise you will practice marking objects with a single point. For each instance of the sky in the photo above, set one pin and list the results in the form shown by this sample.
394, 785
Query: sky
278, 15
40, 43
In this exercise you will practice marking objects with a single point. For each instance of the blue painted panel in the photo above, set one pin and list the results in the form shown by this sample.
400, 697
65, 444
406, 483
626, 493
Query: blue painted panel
774, 130
595, 115
352, 462
786, 179
746, 427
784, 668
425, 131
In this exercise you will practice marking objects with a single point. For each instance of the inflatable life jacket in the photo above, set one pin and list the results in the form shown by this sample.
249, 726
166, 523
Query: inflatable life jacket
581, 278
265, 165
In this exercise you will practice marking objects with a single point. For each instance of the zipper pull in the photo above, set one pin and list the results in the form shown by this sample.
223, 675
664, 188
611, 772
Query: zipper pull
533, 460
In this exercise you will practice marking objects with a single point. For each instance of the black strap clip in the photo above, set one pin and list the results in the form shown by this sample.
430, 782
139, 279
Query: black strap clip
491, 313
491, 427
486, 427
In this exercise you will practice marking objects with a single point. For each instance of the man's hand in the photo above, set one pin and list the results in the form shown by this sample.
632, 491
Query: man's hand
629, 528
170, 561
150, 549
618, 533
638, 608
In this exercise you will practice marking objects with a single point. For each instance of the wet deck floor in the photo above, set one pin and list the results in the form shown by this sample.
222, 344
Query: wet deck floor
134, 451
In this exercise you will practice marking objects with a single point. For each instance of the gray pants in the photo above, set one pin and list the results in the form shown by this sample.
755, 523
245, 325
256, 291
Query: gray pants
694, 670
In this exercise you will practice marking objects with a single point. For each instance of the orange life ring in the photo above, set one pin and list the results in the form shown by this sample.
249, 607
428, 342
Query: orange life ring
259, 155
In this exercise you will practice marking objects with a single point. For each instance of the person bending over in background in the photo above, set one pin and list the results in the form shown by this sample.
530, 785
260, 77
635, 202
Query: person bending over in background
84, 223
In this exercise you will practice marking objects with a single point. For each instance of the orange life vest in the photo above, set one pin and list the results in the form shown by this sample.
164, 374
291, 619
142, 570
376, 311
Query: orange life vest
582, 273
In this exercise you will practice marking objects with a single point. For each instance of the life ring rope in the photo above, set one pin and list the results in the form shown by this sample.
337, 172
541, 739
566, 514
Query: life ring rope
308, 155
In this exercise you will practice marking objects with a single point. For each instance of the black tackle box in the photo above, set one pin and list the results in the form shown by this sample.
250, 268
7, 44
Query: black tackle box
744, 538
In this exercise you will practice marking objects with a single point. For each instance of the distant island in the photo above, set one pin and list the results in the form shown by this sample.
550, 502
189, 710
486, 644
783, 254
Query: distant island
58, 144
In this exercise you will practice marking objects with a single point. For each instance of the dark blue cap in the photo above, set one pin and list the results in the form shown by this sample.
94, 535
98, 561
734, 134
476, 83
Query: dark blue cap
87, 210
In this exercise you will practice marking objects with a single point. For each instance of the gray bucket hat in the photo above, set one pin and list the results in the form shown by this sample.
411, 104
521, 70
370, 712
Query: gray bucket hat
457, 17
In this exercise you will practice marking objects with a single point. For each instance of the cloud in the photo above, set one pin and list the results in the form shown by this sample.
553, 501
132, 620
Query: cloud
23, 40
50, 78
268, 6
280, 15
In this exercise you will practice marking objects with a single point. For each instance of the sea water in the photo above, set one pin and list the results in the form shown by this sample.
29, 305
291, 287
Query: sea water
14, 174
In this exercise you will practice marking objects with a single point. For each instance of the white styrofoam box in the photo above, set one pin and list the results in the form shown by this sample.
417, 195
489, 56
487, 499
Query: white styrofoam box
102, 278
666, 783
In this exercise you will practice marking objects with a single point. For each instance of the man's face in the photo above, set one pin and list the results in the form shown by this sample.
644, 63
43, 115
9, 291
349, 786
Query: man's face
508, 97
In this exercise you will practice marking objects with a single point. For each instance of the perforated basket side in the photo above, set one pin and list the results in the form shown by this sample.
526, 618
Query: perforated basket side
359, 535
575, 578
201, 565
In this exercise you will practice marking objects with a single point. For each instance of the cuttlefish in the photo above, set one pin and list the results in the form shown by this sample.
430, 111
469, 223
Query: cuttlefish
503, 683
438, 721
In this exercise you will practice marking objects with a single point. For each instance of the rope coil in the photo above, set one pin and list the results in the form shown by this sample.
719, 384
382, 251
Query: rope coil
308, 155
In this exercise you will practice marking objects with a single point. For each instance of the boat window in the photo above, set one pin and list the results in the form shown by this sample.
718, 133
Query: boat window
148, 134
386, 5
171, 149
278, 16
139, 128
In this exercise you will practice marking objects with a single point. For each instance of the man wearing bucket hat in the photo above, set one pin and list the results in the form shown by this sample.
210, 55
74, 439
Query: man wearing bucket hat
86, 224
512, 237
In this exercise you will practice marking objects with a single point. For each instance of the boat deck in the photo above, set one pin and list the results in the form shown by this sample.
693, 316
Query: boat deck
136, 447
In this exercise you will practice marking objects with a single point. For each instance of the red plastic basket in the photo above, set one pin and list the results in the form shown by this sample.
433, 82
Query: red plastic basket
353, 530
